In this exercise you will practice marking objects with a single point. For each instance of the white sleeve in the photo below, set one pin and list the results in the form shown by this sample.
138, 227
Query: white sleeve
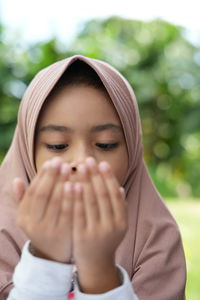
122, 292
40, 279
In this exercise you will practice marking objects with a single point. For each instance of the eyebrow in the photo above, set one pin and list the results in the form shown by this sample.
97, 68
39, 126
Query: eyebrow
97, 128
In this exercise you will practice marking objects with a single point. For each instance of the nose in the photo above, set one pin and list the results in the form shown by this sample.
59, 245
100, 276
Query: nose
80, 153
74, 169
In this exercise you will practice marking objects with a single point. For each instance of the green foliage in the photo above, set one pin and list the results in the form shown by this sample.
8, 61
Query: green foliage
187, 215
163, 68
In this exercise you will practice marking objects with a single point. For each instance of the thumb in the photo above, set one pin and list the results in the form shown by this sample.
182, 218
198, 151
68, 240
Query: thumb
18, 189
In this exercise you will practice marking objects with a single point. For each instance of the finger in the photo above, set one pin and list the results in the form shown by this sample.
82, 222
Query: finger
25, 205
65, 172
89, 197
55, 202
18, 189
38, 176
122, 190
101, 191
24, 209
116, 194
44, 189
66, 214
79, 218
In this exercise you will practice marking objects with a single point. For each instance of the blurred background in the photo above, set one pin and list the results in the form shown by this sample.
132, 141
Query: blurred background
156, 46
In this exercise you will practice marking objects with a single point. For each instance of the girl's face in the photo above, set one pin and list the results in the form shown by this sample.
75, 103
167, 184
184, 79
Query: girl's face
77, 122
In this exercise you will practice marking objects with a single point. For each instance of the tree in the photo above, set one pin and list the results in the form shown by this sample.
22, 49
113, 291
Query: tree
163, 68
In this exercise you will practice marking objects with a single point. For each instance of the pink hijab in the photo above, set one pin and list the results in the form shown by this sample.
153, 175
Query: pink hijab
151, 251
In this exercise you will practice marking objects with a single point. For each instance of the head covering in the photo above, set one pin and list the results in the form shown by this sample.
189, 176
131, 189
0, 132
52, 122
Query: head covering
151, 250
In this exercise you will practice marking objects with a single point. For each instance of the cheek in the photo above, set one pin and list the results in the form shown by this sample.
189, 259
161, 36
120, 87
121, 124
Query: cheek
38, 162
120, 174
119, 164
40, 158
119, 169
41, 155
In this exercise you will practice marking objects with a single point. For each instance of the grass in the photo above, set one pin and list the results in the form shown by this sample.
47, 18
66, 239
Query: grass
187, 215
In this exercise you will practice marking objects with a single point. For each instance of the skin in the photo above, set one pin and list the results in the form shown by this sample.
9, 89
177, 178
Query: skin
81, 108
82, 214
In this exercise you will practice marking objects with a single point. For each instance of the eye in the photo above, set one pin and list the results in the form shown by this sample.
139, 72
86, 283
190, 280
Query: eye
107, 147
56, 147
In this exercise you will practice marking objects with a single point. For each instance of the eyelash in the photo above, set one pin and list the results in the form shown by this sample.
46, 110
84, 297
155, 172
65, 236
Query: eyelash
60, 147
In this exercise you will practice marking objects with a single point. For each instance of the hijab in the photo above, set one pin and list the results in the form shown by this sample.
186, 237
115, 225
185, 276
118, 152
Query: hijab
151, 251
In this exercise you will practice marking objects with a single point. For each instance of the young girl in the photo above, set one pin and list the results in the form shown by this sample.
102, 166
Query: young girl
76, 198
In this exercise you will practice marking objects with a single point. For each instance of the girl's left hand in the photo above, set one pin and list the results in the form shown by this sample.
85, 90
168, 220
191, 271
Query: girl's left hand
100, 216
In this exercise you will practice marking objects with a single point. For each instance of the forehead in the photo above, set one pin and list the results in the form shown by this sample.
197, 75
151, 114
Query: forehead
82, 104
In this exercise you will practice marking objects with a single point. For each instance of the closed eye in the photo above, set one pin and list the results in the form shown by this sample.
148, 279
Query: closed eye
56, 147
60, 147
107, 147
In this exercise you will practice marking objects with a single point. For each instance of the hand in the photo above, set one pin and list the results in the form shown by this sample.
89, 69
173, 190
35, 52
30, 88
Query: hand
45, 212
99, 225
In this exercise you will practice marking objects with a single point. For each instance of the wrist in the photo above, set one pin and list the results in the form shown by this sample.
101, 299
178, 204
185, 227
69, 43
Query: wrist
35, 252
98, 280
95, 265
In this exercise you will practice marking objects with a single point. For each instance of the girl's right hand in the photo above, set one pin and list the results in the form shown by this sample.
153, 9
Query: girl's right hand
45, 212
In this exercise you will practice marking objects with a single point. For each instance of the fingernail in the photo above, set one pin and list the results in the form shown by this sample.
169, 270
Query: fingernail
65, 168
46, 164
17, 188
78, 187
55, 162
14, 184
121, 189
104, 166
90, 161
82, 169
15, 180
68, 186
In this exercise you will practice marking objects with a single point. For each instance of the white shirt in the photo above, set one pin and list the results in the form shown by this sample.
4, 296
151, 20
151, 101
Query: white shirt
40, 279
